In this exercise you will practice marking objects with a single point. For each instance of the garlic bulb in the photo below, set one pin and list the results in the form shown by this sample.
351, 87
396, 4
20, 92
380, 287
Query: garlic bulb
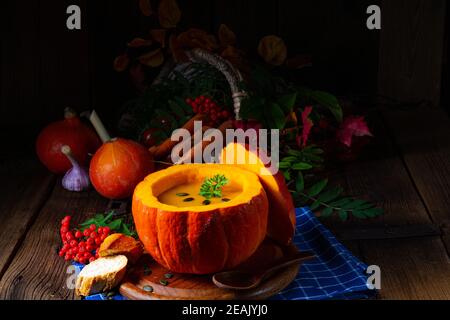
76, 178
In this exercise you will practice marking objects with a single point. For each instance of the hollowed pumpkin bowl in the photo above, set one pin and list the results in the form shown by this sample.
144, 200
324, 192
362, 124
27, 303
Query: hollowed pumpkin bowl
199, 238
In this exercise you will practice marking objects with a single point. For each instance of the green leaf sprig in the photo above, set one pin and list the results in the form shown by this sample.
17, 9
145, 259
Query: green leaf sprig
118, 225
331, 200
212, 187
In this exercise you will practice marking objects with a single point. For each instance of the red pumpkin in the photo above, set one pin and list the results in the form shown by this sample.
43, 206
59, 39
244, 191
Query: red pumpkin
118, 166
72, 132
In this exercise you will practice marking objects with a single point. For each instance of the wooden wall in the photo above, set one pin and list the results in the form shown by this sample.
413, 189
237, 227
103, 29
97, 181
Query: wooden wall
45, 67
411, 50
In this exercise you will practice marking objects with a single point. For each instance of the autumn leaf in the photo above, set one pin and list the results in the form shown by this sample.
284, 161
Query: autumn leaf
197, 38
177, 51
169, 14
145, 7
307, 126
152, 59
121, 63
352, 126
139, 42
234, 56
273, 50
226, 36
292, 118
159, 35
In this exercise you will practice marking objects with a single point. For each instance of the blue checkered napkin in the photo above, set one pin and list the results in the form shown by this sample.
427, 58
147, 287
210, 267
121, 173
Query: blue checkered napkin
334, 274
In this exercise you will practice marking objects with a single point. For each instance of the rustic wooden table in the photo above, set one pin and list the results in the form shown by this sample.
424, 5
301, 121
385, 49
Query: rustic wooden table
407, 172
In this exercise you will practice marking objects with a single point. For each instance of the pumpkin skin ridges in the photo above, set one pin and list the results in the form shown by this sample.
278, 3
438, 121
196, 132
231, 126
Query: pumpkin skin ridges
281, 220
201, 242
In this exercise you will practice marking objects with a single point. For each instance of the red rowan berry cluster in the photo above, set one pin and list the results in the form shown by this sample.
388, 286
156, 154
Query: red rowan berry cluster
81, 246
205, 105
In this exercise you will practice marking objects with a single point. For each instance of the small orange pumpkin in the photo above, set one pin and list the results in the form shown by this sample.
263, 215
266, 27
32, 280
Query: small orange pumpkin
281, 221
200, 239
118, 166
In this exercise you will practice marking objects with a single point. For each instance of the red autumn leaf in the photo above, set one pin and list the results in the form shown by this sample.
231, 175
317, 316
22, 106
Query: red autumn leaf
121, 63
146, 7
177, 51
226, 36
307, 126
159, 35
352, 126
152, 59
273, 50
169, 14
139, 42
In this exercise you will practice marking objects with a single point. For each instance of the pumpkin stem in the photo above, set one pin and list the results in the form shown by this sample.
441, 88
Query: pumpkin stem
68, 153
99, 127
69, 113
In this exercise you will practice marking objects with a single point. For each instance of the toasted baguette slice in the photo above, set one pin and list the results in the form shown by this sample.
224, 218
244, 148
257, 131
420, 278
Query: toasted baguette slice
101, 275
120, 244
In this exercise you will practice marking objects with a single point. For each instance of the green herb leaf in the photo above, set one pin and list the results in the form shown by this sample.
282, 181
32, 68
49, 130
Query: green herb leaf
302, 166
343, 215
326, 212
284, 165
317, 188
212, 187
287, 102
275, 116
300, 182
315, 205
375, 212
114, 225
287, 175
330, 195
330, 102
359, 214
289, 159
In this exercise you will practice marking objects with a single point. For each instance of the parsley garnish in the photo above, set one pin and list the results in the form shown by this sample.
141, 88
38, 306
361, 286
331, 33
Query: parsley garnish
212, 187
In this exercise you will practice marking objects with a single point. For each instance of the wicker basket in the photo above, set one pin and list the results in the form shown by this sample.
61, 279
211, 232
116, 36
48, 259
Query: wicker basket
231, 74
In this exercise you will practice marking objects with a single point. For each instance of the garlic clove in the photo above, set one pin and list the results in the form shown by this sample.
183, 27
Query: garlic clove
77, 178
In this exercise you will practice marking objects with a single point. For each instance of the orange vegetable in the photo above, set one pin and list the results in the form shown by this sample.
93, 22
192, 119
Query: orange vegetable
281, 222
200, 239
118, 166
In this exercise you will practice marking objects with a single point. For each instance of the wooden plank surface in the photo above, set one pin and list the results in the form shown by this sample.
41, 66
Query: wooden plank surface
26, 186
409, 177
423, 136
380, 176
36, 271
416, 268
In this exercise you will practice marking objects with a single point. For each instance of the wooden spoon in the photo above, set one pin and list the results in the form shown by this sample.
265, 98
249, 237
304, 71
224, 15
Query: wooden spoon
245, 280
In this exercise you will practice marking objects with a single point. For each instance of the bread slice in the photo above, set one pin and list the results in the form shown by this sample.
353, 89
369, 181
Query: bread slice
101, 275
120, 244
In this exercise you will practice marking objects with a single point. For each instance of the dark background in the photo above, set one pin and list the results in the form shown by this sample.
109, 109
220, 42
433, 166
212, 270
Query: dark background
46, 67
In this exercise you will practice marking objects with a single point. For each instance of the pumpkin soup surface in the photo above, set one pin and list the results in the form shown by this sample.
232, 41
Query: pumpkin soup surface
187, 195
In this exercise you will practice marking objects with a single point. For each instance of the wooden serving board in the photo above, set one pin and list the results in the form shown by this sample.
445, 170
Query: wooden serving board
147, 279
